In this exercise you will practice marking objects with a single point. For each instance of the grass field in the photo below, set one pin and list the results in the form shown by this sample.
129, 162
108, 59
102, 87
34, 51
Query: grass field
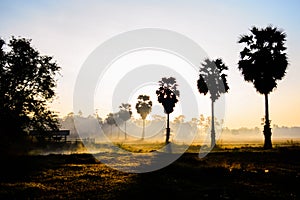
236, 173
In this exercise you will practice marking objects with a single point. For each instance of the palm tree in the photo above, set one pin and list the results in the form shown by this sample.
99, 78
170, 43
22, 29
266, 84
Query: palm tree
263, 62
167, 95
213, 80
99, 119
143, 107
110, 119
125, 114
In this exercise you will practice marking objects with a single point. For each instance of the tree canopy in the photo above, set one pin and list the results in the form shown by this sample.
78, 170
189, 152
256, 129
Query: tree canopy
125, 111
167, 94
110, 119
212, 79
263, 59
27, 85
143, 106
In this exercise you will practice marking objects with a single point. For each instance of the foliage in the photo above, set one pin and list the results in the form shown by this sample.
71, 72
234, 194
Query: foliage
125, 111
110, 119
27, 83
212, 79
143, 106
167, 94
263, 60
179, 119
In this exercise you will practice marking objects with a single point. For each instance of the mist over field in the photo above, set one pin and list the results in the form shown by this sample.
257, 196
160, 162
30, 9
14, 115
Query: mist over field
89, 128
149, 100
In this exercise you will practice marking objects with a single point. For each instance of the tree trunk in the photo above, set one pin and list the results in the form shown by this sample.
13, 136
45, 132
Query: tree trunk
143, 133
267, 129
213, 132
168, 130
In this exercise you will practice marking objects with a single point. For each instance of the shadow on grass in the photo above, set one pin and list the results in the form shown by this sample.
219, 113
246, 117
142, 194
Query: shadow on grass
234, 174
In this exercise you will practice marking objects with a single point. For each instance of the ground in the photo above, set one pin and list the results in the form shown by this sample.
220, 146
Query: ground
240, 173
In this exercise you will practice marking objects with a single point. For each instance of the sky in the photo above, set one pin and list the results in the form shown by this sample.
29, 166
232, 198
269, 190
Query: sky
71, 30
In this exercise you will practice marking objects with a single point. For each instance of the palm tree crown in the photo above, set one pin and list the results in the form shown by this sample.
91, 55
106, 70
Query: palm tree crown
125, 111
263, 60
110, 119
143, 106
167, 93
212, 79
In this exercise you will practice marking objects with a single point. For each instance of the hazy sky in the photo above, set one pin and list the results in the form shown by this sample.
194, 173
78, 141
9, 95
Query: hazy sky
71, 30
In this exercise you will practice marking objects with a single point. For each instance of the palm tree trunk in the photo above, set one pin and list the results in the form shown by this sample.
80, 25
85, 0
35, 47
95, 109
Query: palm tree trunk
267, 129
168, 129
213, 132
143, 133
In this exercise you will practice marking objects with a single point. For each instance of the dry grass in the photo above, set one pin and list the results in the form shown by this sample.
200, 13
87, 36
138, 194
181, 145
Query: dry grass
242, 173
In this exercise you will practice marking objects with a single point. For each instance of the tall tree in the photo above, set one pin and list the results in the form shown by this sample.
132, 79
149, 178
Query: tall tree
125, 114
167, 95
110, 120
143, 107
27, 85
263, 62
213, 80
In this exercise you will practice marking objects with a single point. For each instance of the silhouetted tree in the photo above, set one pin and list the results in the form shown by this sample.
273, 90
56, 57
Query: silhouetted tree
167, 95
27, 83
179, 119
110, 120
143, 107
99, 119
213, 80
195, 121
263, 62
68, 123
80, 113
125, 114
